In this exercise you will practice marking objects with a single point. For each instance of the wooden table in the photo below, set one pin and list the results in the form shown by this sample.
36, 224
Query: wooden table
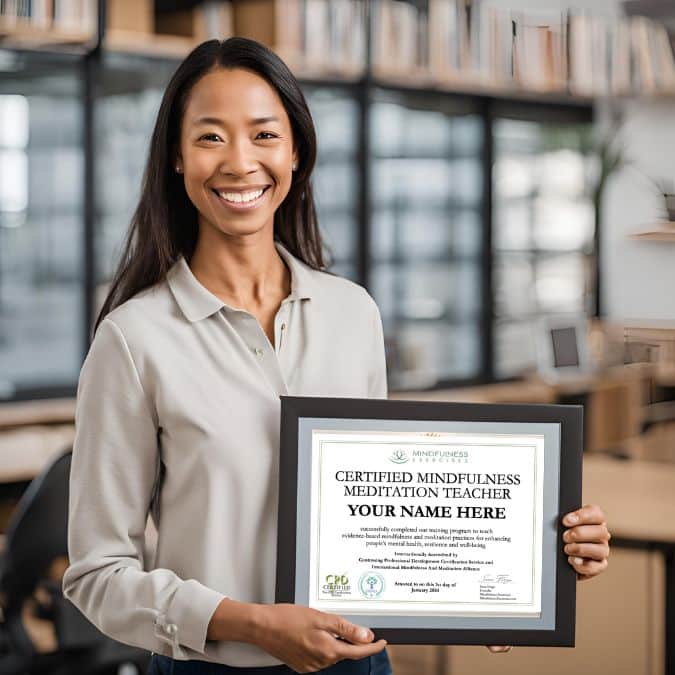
48, 411
32, 434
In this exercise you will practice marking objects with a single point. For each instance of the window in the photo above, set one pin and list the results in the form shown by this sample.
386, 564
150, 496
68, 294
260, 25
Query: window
543, 220
41, 171
426, 239
335, 179
129, 95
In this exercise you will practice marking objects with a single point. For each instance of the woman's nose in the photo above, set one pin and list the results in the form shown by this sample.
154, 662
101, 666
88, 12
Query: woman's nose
238, 158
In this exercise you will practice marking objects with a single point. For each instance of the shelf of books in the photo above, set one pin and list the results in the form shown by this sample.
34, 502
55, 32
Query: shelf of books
41, 24
451, 45
476, 47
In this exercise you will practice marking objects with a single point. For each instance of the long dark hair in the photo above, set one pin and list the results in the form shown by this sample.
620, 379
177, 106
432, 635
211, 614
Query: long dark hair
164, 225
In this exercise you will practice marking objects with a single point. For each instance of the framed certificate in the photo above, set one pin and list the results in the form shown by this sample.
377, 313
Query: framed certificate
430, 523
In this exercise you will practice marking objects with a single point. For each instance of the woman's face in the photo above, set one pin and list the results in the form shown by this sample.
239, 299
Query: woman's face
236, 141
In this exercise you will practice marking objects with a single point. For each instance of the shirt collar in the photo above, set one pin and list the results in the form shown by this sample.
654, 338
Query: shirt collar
197, 302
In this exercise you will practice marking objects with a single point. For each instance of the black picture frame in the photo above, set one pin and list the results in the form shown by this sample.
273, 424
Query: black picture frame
570, 421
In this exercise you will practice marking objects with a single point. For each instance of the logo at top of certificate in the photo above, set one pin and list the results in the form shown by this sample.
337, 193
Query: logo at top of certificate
399, 456
371, 585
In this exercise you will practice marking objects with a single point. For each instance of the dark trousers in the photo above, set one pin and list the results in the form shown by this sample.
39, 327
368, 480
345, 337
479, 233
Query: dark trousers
163, 665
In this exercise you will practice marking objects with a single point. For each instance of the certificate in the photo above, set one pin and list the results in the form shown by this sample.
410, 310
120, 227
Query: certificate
430, 522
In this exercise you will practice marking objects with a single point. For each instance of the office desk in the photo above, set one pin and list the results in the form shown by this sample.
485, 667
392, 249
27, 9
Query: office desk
613, 400
519, 391
47, 411
638, 499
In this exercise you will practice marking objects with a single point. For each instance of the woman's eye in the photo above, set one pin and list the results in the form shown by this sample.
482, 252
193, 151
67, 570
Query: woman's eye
210, 137
268, 134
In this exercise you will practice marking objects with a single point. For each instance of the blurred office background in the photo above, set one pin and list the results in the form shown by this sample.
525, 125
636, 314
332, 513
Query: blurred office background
494, 172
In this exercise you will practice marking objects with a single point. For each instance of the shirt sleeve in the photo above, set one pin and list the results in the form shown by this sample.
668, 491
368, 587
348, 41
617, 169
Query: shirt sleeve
377, 379
113, 471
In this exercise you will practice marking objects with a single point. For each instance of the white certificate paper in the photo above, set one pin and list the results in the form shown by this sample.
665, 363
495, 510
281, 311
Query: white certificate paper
426, 523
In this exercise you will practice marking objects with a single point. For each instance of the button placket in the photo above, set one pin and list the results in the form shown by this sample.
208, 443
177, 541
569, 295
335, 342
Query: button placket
252, 335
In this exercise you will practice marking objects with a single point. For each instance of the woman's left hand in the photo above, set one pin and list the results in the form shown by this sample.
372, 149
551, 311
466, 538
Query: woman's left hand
586, 541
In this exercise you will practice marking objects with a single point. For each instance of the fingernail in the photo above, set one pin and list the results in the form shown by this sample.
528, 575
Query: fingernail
362, 633
571, 519
578, 561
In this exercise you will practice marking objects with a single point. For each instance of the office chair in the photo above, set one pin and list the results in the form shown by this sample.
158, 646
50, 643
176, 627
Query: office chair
30, 572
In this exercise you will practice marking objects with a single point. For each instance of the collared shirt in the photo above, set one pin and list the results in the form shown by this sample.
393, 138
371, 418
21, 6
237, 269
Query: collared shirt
178, 415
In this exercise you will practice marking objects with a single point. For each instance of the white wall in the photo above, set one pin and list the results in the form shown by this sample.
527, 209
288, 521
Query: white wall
638, 276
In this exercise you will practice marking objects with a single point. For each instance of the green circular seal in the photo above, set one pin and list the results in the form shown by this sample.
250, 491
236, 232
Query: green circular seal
371, 585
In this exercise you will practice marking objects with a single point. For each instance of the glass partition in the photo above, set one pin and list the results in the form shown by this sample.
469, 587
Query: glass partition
543, 221
41, 230
426, 240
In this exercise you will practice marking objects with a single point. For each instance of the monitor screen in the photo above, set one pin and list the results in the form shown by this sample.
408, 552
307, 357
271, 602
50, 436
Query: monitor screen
565, 348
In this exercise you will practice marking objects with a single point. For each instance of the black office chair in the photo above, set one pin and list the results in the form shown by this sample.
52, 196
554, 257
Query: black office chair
37, 538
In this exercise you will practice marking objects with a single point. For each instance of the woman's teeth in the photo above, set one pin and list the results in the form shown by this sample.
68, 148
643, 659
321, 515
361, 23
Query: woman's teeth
240, 197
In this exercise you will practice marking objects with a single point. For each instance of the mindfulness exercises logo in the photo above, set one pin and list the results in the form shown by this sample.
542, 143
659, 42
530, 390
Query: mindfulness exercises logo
399, 456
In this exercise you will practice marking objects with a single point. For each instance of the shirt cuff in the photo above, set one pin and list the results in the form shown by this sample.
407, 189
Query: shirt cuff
190, 613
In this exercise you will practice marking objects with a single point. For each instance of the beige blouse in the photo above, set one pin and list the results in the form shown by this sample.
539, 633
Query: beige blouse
178, 415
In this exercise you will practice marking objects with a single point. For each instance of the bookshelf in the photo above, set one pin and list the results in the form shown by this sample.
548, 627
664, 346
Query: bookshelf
460, 46
439, 293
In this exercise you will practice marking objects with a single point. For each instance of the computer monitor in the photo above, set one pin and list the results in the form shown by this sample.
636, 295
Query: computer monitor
561, 346
564, 342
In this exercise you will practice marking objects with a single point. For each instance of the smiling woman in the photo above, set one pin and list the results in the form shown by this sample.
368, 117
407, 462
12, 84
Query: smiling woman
241, 164
233, 121
219, 306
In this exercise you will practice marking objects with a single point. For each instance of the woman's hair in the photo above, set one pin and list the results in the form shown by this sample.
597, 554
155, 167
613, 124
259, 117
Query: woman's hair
164, 225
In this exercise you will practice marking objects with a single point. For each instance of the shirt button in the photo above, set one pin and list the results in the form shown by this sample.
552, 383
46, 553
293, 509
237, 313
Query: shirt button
258, 351
171, 629
283, 326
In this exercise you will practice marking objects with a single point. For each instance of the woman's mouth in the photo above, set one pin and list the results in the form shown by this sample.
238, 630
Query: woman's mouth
241, 201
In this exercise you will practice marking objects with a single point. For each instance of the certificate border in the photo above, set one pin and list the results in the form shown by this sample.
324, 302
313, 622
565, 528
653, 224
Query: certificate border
464, 444
569, 498
550, 431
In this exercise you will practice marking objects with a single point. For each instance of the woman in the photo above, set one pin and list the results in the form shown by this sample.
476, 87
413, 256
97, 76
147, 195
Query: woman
219, 306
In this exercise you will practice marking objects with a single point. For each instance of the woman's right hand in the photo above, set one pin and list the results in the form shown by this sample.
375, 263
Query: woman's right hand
307, 640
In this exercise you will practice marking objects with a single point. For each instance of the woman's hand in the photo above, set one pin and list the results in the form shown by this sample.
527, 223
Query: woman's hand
586, 541
586, 544
307, 640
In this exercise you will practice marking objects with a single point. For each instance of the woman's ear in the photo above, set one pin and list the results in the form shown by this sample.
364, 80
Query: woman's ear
295, 161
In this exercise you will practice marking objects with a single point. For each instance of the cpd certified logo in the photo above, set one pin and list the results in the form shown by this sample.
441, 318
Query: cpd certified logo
371, 585
337, 585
